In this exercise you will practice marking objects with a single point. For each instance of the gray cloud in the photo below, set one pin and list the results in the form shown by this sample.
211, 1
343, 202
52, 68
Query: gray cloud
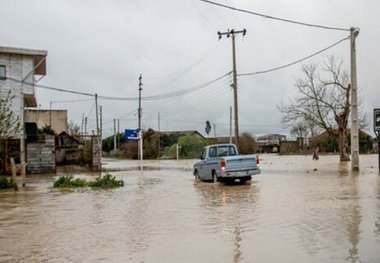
102, 47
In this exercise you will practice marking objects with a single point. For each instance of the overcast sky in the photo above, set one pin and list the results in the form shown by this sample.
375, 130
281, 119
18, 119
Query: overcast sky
102, 46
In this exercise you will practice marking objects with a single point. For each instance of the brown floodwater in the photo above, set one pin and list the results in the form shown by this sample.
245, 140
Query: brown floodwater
296, 210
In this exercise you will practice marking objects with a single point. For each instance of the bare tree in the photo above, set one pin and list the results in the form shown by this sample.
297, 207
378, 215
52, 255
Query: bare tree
9, 126
323, 101
9, 122
73, 129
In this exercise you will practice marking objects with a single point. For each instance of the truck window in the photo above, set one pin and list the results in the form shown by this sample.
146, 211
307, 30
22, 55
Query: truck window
203, 154
231, 151
212, 152
222, 151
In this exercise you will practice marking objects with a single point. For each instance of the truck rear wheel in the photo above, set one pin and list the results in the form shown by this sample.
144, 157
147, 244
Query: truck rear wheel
196, 174
244, 179
214, 177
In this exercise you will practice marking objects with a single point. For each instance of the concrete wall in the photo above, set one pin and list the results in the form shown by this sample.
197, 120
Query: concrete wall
96, 154
40, 156
42, 117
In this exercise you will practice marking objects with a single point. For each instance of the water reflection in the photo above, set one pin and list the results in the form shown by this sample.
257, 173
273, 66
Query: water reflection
230, 210
377, 222
354, 217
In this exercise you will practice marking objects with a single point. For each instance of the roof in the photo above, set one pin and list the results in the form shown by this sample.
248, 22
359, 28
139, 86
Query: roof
183, 132
38, 57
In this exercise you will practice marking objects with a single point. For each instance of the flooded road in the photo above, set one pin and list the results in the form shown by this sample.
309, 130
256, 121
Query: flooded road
297, 210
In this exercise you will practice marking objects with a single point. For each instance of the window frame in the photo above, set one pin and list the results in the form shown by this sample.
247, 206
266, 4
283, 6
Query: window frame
3, 77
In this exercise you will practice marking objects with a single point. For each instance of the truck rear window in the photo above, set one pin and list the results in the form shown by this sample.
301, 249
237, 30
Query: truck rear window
226, 150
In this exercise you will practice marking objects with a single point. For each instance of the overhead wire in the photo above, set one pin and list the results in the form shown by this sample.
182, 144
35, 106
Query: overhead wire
294, 62
153, 97
275, 18
212, 50
204, 17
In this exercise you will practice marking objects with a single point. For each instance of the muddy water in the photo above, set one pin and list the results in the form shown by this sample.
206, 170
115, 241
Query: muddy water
297, 210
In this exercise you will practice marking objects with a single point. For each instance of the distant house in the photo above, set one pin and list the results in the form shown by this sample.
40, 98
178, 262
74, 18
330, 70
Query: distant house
68, 149
56, 119
270, 142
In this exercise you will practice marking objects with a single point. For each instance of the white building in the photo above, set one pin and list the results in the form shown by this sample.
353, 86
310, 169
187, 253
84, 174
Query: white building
20, 69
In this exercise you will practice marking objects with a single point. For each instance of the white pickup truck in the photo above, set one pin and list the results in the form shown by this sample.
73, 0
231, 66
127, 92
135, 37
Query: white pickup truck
222, 163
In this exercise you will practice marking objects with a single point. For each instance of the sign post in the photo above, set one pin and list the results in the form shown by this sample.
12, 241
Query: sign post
376, 129
136, 134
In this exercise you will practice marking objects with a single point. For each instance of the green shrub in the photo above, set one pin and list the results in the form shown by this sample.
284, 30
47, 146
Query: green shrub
69, 181
106, 181
6, 183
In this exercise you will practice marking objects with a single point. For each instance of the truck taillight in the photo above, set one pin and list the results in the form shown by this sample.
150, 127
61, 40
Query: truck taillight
257, 160
223, 163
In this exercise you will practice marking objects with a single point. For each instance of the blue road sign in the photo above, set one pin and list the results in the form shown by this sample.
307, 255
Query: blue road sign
131, 134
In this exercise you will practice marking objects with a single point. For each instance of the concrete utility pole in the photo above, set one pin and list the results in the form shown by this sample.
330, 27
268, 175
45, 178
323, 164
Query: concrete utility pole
232, 34
101, 122
230, 124
140, 151
98, 139
354, 32
96, 113
139, 110
85, 126
114, 135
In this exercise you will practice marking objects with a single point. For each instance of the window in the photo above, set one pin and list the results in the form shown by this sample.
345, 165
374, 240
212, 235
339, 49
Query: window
2, 72
222, 151
231, 151
212, 152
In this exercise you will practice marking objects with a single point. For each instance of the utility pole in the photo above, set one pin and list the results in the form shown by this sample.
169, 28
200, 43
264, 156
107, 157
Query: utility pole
118, 132
81, 128
101, 121
96, 113
114, 135
159, 135
140, 110
98, 140
232, 34
85, 126
140, 151
354, 32
230, 124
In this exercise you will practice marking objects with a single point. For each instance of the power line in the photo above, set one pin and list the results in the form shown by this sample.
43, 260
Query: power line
294, 62
154, 97
65, 101
275, 18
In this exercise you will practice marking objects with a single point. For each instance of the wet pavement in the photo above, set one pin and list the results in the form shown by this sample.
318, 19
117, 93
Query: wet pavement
296, 210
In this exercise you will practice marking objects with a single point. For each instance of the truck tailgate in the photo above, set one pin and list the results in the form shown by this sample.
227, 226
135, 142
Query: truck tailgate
240, 163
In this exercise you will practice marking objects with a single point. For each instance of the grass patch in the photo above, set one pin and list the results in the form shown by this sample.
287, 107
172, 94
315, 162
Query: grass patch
69, 181
105, 181
6, 183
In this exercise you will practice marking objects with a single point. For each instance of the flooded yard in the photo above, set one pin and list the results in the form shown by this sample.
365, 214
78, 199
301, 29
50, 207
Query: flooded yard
296, 210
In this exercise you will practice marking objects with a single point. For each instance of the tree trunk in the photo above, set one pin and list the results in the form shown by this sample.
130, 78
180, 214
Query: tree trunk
343, 145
